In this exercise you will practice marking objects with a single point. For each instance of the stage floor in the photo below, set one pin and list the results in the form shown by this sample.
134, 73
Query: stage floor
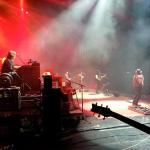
119, 103
94, 133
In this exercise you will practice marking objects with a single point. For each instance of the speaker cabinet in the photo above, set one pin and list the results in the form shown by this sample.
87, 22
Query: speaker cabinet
30, 75
10, 99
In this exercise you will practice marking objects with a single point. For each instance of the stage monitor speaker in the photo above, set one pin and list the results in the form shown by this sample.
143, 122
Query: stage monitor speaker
30, 75
10, 99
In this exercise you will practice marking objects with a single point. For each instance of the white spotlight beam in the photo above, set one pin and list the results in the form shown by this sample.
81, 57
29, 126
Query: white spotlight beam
66, 25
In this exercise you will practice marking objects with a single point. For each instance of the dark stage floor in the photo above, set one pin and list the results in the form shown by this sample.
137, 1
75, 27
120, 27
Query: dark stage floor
94, 133
85, 131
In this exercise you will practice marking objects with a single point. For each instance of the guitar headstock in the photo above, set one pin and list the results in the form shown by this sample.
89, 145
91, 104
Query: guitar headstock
105, 111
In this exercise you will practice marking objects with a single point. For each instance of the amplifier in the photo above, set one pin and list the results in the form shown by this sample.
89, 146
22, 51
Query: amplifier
30, 75
10, 99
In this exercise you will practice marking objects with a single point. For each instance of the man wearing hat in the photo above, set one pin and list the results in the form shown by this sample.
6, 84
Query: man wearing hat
138, 83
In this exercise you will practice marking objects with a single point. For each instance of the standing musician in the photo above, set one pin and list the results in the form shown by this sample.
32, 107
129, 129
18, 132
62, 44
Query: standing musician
67, 75
68, 79
99, 81
137, 83
69, 90
81, 77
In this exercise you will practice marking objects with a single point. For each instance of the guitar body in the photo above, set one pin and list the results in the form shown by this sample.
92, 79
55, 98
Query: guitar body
100, 78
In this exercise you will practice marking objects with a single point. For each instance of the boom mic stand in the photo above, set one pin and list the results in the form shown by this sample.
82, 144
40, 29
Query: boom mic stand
81, 86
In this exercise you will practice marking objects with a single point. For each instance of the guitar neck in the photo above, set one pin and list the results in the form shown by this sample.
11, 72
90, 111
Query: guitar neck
131, 122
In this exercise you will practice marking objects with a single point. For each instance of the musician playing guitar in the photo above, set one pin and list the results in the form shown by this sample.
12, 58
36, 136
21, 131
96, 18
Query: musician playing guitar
81, 77
68, 79
99, 81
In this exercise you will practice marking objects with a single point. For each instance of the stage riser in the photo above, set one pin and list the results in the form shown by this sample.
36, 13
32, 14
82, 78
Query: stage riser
10, 99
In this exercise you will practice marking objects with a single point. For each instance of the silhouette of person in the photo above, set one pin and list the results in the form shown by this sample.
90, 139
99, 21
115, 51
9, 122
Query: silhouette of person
8, 68
138, 83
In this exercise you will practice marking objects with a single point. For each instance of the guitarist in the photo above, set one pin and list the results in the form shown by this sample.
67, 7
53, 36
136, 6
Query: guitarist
68, 79
138, 83
81, 77
99, 81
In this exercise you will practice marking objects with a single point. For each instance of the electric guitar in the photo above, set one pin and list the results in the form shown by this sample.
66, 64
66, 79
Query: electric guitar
100, 78
106, 112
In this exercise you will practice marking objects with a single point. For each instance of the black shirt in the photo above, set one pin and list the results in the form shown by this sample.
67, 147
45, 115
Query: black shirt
8, 66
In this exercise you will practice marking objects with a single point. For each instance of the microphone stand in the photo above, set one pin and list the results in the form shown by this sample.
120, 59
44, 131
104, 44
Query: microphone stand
81, 85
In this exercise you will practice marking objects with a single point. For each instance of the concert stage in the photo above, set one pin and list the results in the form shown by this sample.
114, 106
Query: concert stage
82, 130
119, 103
110, 134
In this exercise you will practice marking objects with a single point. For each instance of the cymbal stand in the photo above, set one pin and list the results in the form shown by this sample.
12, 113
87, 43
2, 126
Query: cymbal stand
82, 107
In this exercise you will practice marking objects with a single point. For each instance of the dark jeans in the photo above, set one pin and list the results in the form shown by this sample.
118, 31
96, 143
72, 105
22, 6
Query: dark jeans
138, 93
98, 87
